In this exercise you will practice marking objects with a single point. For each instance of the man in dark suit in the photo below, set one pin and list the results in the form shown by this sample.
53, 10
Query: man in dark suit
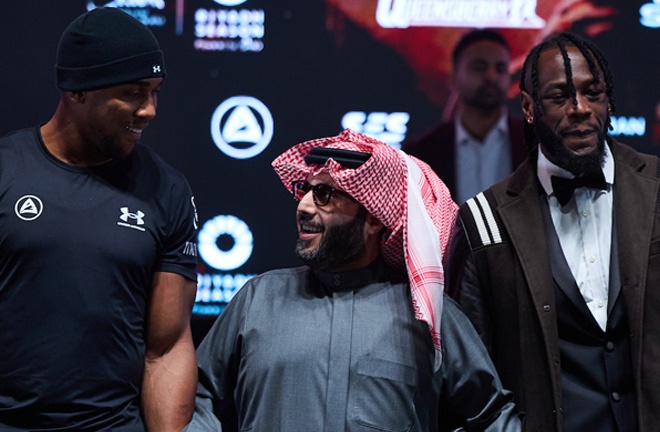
481, 144
558, 266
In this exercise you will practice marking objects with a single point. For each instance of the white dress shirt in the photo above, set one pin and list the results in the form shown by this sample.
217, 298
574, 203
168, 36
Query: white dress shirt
480, 164
584, 228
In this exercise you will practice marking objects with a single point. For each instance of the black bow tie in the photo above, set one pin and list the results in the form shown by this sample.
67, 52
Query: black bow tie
564, 188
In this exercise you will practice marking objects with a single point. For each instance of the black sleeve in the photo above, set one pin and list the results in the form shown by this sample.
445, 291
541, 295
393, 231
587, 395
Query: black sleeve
471, 395
463, 284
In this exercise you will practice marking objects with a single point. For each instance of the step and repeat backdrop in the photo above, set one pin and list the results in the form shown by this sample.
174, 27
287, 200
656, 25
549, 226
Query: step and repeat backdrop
249, 78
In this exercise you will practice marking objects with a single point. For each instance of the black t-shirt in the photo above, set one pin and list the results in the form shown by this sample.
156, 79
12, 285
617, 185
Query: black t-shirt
78, 249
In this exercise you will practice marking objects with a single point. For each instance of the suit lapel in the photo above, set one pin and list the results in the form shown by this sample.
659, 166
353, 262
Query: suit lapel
524, 223
561, 272
635, 196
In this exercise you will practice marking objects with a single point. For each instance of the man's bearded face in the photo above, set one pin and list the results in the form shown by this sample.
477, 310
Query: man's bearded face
340, 244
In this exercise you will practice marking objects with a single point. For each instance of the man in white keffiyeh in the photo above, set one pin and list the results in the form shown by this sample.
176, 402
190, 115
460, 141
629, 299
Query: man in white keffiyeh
353, 340
403, 194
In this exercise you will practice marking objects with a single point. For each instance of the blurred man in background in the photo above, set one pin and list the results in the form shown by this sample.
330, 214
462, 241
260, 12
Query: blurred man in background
480, 144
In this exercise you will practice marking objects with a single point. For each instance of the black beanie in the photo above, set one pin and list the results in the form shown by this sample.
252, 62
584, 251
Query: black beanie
106, 47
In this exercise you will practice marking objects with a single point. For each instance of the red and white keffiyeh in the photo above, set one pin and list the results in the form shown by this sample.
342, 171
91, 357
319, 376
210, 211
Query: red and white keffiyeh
406, 196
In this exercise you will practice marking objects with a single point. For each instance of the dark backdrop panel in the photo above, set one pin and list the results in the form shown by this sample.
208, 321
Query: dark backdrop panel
309, 63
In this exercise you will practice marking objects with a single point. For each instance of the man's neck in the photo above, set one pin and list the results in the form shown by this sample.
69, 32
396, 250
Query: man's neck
63, 140
334, 281
477, 121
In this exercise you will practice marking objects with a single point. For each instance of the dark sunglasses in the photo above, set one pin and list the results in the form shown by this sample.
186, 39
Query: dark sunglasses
320, 192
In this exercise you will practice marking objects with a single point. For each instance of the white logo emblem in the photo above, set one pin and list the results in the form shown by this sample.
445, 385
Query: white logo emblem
458, 13
131, 220
156, 69
225, 225
242, 127
190, 248
196, 218
158, 4
126, 215
387, 127
28, 207
230, 2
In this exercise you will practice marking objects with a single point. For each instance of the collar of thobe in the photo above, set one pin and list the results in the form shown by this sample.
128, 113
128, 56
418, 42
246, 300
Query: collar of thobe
353, 279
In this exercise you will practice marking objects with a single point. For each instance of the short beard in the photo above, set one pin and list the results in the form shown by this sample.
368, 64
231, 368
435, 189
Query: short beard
560, 155
109, 148
339, 246
485, 102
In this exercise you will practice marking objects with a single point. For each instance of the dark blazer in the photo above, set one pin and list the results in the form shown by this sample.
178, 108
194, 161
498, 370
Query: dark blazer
437, 149
598, 390
504, 282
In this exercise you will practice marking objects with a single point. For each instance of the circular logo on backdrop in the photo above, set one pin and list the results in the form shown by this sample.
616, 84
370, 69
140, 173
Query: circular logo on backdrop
230, 2
28, 207
237, 231
242, 127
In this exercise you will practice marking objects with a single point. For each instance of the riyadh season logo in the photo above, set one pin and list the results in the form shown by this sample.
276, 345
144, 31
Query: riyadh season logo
233, 229
650, 14
146, 11
458, 13
28, 207
214, 290
242, 127
229, 29
131, 220
390, 128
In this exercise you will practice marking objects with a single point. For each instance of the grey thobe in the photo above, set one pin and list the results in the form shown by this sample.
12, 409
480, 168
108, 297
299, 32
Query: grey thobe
299, 350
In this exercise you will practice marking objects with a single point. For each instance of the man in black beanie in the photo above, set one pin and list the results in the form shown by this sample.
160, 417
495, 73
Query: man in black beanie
97, 249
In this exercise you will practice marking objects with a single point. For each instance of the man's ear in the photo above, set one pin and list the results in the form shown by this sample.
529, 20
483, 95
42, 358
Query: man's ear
372, 226
76, 95
527, 105
454, 79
